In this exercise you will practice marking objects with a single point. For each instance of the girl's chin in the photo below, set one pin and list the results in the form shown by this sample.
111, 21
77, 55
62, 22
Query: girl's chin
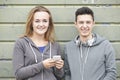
40, 33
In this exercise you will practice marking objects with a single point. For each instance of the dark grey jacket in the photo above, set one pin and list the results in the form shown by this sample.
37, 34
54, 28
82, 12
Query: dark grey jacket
90, 62
27, 61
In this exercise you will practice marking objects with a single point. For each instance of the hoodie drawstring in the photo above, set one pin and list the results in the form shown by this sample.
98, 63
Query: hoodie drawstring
35, 53
50, 51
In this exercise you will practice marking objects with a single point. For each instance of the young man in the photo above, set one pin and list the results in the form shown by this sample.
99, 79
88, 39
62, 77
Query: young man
88, 56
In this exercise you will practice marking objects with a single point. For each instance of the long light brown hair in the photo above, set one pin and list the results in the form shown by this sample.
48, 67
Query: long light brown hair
50, 34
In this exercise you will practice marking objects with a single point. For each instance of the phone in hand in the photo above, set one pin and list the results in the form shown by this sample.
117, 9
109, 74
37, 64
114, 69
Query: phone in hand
56, 57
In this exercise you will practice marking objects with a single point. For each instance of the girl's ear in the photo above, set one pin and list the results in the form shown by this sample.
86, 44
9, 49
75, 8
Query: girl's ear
93, 23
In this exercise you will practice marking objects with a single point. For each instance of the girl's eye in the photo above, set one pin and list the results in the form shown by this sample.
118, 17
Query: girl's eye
36, 21
45, 21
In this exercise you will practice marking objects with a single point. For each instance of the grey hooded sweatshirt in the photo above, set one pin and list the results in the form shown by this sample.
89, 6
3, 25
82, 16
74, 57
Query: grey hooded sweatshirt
27, 61
85, 61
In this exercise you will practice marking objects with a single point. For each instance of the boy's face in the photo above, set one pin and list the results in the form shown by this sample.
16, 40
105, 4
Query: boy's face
84, 25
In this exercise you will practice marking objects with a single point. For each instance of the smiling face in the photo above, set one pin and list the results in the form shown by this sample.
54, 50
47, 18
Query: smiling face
40, 23
84, 25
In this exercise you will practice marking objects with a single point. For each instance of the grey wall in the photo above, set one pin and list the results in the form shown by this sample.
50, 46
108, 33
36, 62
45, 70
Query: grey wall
13, 14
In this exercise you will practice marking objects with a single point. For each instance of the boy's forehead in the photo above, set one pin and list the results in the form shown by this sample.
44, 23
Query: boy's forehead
84, 17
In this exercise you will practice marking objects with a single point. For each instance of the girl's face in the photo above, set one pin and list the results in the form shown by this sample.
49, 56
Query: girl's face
40, 23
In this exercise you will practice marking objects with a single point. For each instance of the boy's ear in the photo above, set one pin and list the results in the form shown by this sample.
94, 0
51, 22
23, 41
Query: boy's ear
75, 23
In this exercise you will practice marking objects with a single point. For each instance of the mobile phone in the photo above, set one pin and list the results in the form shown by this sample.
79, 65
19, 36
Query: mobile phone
57, 57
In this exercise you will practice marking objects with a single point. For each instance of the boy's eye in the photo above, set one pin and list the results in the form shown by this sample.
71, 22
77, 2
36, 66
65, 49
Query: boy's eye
81, 22
88, 22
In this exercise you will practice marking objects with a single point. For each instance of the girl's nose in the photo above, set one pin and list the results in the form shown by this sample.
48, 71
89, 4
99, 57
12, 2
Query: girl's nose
41, 24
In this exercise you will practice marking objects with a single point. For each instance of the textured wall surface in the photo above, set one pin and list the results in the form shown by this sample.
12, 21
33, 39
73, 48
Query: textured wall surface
13, 14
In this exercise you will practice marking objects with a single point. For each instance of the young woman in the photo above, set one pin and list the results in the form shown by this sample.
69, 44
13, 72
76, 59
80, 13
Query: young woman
33, 53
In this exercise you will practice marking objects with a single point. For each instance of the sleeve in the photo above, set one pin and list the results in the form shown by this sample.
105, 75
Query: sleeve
59, 72
67, 75
20, 70
110, 63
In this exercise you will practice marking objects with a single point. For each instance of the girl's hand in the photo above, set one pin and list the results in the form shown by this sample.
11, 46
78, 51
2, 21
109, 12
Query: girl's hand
48, 63
59, 63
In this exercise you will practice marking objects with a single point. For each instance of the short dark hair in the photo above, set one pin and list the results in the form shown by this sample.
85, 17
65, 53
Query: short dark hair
82, 11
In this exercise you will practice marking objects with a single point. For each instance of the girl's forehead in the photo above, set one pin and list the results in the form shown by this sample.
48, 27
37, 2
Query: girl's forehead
41, 15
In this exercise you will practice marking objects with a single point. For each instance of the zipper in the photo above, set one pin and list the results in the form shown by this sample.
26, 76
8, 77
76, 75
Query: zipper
82, 68
42, 69
42, 56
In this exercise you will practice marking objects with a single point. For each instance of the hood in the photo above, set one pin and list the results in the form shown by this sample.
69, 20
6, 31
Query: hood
95, 41
30, 42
